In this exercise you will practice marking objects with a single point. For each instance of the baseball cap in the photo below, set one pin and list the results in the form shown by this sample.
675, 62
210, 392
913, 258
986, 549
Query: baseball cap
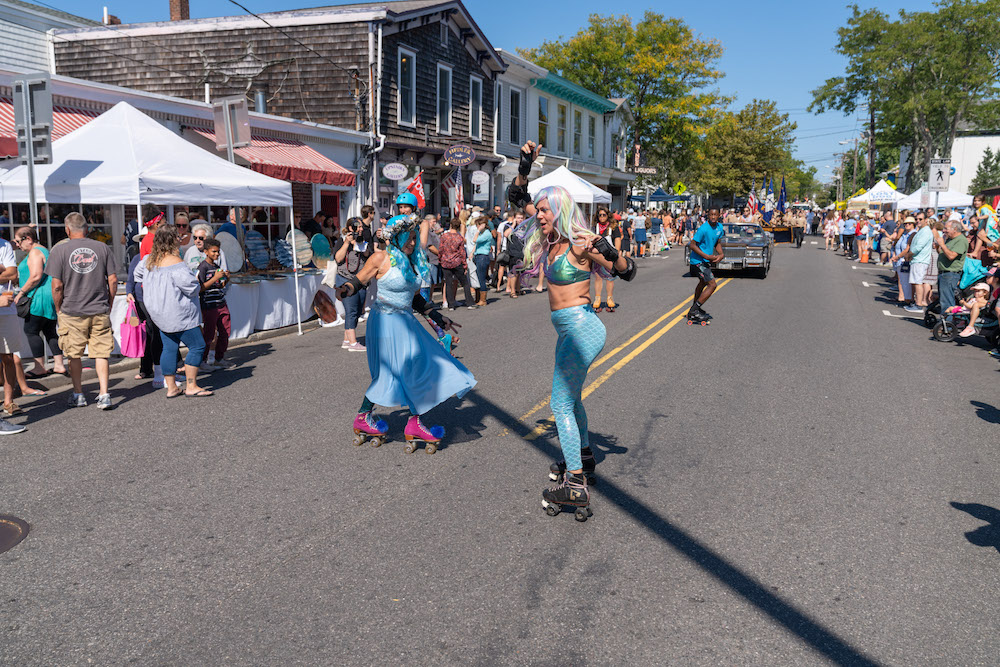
981, 286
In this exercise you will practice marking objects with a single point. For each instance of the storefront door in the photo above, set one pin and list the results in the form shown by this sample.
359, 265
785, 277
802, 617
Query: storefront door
329, 203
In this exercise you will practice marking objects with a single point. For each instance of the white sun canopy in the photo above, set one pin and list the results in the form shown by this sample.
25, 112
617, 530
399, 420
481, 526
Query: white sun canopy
949, 199
880, 193
125, 157
583, 192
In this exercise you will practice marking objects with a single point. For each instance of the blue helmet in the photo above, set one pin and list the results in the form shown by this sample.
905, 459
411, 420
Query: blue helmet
407, 198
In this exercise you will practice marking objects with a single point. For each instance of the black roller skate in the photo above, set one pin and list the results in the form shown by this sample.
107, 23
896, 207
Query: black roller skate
571, 492
698, 316
558, 469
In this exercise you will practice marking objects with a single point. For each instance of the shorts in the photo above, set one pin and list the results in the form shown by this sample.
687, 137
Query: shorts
918, 272
12, 334
78, 332
703, 271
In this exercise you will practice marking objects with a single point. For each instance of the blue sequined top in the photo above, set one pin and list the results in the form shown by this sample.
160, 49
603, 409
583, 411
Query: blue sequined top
395, 291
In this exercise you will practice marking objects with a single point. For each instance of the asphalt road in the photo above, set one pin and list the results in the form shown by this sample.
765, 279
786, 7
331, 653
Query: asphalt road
805, 481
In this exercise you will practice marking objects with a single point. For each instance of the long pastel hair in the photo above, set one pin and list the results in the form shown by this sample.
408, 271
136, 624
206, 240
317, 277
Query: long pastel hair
570, 224
415, 266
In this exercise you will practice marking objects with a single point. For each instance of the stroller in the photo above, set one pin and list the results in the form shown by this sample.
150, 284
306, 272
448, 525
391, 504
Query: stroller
950, 324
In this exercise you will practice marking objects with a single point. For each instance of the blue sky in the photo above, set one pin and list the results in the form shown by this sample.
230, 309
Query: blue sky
773, 50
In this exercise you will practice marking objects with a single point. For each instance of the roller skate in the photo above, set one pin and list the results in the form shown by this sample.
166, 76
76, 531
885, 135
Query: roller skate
697, 316
558, 469
367, 429
571, 492
597, 306
416, 433
611, 305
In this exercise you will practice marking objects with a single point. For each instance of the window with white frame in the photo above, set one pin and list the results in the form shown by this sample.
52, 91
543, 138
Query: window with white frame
591, 136
577, 131
515, 116
475, 107
406, 90
443, 99
543, 120
561, 128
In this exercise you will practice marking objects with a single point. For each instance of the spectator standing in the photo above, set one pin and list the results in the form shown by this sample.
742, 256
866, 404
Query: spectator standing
84, 284
952, 246
171, 294
183, 225
481, 258
351, 253
919, 255
217, 323
454, 259
149, 365
313, 225
37, 286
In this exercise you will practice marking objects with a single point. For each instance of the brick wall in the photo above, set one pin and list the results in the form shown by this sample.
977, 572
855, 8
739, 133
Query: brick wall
302, 199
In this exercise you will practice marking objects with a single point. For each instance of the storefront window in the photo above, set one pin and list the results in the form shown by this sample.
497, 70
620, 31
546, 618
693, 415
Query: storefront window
561, 120
543, 121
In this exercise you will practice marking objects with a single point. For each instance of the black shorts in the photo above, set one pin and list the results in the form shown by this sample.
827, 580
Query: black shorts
703, 271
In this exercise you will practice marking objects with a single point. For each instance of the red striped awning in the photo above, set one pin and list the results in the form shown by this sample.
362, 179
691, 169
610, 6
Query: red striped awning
64, 121
289, 160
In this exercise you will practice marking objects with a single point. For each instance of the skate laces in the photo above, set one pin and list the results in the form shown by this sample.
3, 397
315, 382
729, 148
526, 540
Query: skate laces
368, 419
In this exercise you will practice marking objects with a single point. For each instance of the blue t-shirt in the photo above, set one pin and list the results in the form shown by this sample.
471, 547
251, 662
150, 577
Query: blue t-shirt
657, 222
707, 237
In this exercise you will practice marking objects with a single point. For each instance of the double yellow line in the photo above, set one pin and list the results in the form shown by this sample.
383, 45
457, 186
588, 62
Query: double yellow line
592, 387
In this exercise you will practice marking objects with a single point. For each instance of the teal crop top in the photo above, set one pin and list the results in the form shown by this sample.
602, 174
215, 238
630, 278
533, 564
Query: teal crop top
561, 272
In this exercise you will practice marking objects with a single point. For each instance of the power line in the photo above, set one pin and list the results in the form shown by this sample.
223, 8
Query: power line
353, 73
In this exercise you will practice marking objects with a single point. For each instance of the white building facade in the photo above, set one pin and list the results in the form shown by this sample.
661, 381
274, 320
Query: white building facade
24, 32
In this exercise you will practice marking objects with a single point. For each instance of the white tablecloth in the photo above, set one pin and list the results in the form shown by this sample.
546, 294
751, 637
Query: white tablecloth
261, 306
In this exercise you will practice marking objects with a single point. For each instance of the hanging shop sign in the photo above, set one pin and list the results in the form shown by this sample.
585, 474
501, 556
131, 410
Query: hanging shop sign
479, 178
395, 171
460, 155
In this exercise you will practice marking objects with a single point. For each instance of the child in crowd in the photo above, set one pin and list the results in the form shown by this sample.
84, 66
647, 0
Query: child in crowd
214, 311
980, 297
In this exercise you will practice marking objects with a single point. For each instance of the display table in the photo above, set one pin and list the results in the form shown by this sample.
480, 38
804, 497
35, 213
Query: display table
258, 306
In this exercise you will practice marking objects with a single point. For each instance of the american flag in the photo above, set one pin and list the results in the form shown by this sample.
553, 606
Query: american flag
452, 185
752, 199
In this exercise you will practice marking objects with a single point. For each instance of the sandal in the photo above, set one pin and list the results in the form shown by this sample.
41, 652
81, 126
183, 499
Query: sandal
143, 376
179, 393
32, 375
201, 393
35, 392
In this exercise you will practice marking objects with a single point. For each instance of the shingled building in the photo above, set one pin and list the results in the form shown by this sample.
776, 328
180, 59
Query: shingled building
418, 74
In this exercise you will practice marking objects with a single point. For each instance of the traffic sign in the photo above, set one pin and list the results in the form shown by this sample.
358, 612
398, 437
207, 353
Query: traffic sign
680, 188
940, 174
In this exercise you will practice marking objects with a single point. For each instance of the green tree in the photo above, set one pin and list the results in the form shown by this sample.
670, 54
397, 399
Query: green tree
922, 76
752, 143
659, 65
988, 172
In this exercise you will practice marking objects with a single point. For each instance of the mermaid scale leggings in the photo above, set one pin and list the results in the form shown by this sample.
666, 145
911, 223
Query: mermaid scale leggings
581, 339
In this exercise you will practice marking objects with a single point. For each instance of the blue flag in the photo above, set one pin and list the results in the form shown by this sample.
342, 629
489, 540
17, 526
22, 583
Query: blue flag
782, 197
768, 211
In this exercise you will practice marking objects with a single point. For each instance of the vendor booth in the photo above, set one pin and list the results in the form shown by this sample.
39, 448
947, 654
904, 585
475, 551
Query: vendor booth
949, 199
584, 193
125, 158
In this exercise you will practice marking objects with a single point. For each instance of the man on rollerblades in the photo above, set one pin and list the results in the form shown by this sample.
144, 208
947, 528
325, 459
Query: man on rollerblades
706, 249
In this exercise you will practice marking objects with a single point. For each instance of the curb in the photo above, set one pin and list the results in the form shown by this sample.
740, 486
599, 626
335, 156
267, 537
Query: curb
126, 364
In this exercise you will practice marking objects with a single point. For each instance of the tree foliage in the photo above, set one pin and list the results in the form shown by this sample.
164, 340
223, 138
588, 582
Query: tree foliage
988, 172
922, 75
659, 65
749, 144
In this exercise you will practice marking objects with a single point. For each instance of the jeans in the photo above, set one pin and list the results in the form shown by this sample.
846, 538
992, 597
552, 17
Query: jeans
195, 341
217, 328
482, 270
849, 244
353, 304
34, 327
459, 274
947, 284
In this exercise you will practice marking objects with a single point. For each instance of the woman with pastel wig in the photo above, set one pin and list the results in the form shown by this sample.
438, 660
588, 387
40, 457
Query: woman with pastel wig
559, 244
408, 366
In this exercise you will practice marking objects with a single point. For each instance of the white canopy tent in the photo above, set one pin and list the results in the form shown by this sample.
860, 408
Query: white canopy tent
582, 191
949, 199
124, 157
880, 193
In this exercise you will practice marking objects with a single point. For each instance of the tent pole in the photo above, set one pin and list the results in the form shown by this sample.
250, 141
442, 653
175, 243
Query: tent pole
295, 267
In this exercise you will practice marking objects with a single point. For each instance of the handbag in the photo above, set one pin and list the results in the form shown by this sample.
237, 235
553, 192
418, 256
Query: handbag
133, 334
24, 305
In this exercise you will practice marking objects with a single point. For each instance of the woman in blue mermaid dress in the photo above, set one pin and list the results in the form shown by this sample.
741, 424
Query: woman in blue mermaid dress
409, 367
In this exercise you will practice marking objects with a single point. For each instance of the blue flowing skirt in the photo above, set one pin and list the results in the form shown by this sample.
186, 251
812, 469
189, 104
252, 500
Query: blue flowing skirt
409, 366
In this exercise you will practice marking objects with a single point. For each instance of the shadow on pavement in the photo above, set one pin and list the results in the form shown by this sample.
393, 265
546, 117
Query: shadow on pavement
820, 639
986, 412
984, 536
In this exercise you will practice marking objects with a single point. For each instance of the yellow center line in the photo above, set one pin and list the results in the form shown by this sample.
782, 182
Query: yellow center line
589, 389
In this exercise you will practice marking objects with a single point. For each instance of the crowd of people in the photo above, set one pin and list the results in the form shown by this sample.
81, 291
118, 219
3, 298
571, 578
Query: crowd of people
944, 260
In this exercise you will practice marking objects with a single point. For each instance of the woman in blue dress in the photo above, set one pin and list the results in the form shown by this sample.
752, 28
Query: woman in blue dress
408, 366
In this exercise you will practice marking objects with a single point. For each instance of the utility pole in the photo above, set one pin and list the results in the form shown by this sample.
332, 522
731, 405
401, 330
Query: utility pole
870, 181
854, 176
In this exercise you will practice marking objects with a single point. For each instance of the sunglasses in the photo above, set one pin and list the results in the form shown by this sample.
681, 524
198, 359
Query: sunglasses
183, 226
199, 238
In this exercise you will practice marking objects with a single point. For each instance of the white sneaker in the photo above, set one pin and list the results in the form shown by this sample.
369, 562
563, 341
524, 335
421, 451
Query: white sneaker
363, 318
346, 344
327, 325
356, 347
